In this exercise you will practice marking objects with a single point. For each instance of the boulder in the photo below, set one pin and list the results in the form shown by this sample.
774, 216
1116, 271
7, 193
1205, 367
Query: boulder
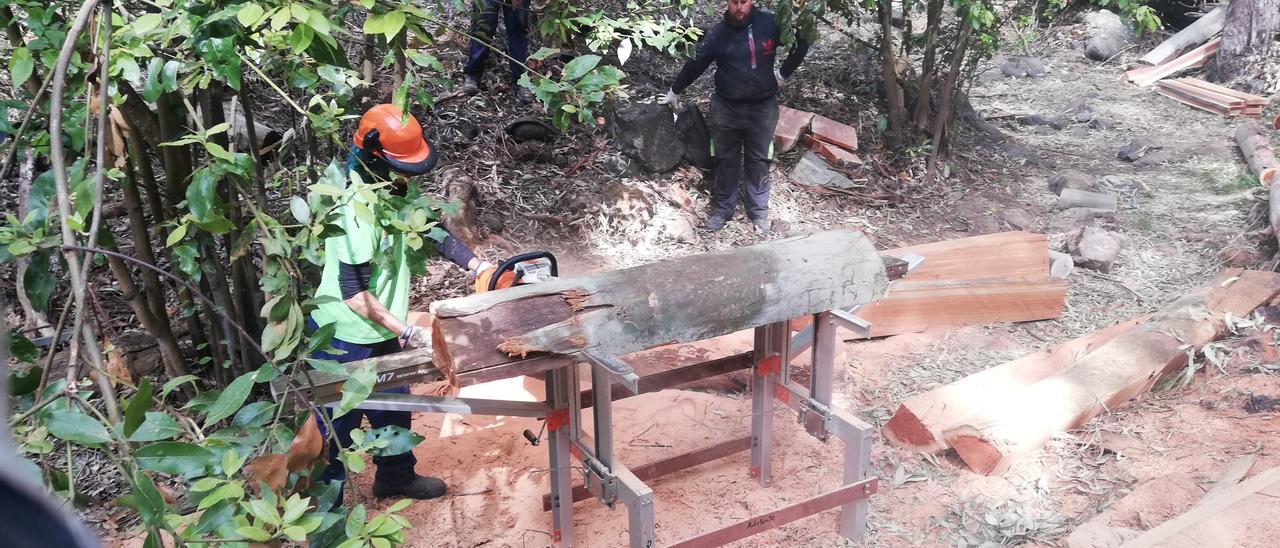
647, 133
1071, 219
1023, 67
1017, 218
696, 137
1108, 35
1094, 248
812, 171
1072, 198
1073, 179
1153, 158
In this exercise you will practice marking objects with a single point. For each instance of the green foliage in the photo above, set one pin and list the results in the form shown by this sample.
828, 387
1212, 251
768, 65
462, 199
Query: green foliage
582, 88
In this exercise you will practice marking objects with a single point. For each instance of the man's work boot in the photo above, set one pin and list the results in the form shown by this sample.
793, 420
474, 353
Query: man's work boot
714, 224
470, 85
524, 95
420, 487
762, 226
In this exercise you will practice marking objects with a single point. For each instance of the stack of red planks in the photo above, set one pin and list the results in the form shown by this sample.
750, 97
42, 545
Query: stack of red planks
1212, 97
1146, 76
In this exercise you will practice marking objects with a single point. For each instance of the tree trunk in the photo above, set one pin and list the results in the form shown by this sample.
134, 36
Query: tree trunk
945, 95
1020, 421
158, 326
142, 244
679, 300
924, 98
1246, 38
889, 73
14, 33
32, 319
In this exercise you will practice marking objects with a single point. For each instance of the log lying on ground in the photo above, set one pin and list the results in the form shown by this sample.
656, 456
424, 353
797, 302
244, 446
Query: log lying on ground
679, 300
1020, 421
1273, 210
1011, 283
922, 419
1256, 147
1193, 35
1233, 518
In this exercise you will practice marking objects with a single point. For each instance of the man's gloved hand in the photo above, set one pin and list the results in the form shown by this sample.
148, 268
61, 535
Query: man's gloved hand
777, 75
671, 99
415, 336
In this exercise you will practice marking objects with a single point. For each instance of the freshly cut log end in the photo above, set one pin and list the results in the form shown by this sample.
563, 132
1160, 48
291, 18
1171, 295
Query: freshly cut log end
979, 454
905, 429
1256, 148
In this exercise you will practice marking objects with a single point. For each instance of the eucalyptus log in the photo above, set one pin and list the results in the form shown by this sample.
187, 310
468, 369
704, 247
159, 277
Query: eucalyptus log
1255, 145
1018, 421
1193, 35
679, 300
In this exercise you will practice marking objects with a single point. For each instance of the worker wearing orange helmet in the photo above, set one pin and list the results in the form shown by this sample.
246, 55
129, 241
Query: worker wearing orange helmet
367, 299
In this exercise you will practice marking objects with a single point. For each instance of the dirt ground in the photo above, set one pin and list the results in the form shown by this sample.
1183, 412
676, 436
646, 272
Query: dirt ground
1142, 464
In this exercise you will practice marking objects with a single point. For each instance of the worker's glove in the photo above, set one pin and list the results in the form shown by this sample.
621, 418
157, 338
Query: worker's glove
671, 99
777, 75
415, 336
481, 268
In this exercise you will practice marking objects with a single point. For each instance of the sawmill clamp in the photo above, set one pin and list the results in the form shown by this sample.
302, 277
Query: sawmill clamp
599, 482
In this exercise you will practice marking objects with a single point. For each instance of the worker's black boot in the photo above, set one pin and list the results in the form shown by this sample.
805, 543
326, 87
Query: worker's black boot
420, 487
470, 85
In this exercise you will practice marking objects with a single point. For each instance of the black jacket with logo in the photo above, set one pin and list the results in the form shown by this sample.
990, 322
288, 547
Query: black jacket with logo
744, 59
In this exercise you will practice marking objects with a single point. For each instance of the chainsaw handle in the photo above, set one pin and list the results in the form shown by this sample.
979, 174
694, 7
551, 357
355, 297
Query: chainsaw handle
510, 264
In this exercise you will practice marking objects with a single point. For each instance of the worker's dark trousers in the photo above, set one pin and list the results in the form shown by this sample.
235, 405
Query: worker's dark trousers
393, 469
484, 23
742, 144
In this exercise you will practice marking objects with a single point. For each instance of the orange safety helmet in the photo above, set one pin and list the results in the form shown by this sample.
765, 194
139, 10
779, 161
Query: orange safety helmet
388, 134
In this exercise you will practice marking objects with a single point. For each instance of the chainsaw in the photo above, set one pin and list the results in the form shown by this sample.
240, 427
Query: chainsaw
523, 269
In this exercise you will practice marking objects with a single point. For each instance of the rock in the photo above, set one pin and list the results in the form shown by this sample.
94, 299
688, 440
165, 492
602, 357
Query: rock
1017, 218
1108, 35
613, 164
1020, 151
1138, 148
530, 129
1071, 219
812, 171
978, 213
1072, 198
1034, 67
1120, 185
696, 137
1060, 264
681, 229
1154, 158
1011, 69
1084, 116
1103, 123
1094, 248
493, 222
647, 133
1055, 122
1071, 178
1044, 131
1067, 76
1059, 122
1023, 67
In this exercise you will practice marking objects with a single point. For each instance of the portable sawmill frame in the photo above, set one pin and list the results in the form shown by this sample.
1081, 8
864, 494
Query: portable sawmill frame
608, 480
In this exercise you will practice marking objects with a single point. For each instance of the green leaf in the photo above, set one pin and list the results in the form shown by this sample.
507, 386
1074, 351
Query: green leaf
295, 533
38, 281
202, 195
399, 505
321, 337
169, 77
325, 190
580, 66
388, 24
253, 533
23, 350
138, 407
544, 53
26, 382
232, 490
176, 458
398, 440
144, 24
356, 389
177, 235
355, 521
174, 383
254, 415
146, 499
300, 210
217, 151
327, 366
249, 15
624, 51
327, 50
300, 38
74, 425
21, 66
231, 462
230, 400
155, 427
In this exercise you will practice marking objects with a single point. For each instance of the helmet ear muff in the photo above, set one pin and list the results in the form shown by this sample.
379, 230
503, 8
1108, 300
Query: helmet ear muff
372, 141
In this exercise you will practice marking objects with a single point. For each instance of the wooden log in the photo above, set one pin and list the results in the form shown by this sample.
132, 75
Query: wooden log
680, 300
1275, 124
1146, 76
911, 306
1273, 210
1020, 421
1196, 33
1232, 519
1256, 147
922, 419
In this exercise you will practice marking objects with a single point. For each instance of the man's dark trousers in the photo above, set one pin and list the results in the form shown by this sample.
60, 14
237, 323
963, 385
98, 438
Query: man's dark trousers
483, 25
742, 139
395, 469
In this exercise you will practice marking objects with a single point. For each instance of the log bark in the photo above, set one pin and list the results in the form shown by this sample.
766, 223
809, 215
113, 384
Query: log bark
680, 300
1249, 29
921, 420
1256, 147
1020, 421
1193, 35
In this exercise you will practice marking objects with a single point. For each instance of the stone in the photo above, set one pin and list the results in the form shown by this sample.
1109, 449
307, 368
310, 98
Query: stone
1118, 184
1045, 131
1034, 67
1103, 123
1012, 69
1071, 219
1023, 67
1154, 158
1055, 122
1071, 198
1108, 35
1060, 264
530, 129
681, 229
1071, 178
695, 135
812, 171
647, 133
978, 213
1067, 76
1059, 122
1017, 218
1094, 248
1138, 148
613, 164
1020, 152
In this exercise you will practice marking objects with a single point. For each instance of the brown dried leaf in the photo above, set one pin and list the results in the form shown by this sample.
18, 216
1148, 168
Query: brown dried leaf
306, 448
116, 364
270, 469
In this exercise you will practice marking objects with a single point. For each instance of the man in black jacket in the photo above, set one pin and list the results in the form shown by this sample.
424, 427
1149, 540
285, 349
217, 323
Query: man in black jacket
744, 107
